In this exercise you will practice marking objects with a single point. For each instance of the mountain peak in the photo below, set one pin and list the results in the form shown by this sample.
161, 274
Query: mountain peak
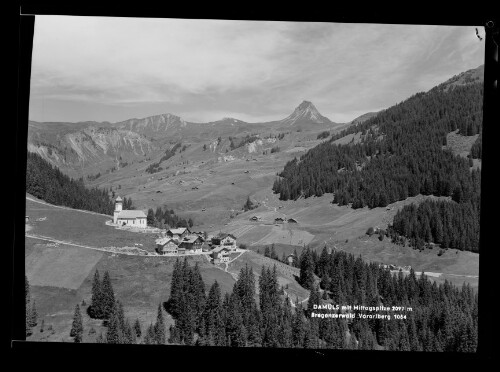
304, 105
306, 113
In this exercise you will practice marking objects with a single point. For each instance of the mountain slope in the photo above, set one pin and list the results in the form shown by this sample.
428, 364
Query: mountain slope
153, 126
72, 148
401, 154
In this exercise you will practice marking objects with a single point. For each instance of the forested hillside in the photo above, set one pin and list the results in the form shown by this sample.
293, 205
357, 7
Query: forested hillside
48, 183
442, 317
400, 155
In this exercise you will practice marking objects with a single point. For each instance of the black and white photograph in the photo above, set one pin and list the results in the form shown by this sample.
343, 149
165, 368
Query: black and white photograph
254, 183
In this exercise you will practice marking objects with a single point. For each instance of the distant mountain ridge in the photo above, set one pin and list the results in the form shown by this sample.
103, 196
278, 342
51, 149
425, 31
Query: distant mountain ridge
104, 145
83, 144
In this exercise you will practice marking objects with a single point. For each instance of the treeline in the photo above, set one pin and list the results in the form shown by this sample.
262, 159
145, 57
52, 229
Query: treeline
400, 156
166, 219
155, 167
442, 317
48, 183
324, 134
449, 224
404, 157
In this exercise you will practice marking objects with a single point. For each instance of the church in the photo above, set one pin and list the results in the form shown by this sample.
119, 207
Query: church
131, 218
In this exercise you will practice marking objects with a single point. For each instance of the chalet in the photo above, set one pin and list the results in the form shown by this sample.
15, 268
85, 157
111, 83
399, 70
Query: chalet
220, 254
255, 218
192, 243
292, 220
181, 250
27, 219
279, 220
166, 246
291, 259
225, 240
128, 217
178, 233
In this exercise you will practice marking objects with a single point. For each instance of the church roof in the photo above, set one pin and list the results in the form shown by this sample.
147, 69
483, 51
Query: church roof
131, 214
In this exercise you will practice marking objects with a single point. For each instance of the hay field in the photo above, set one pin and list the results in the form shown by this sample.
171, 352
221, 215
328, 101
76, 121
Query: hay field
60, 266
78, 227
286, 235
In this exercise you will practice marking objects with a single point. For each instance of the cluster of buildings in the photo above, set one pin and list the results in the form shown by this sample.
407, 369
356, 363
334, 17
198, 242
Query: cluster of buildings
277, 220
178, 241
182, 241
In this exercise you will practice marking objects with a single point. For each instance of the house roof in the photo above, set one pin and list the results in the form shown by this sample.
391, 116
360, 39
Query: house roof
225, 235
118, 198
178, 231
190, 239
163, 241
131, 214
219, 249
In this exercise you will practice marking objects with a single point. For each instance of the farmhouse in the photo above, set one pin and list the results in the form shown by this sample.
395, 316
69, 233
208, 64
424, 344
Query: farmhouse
220, 254
128, 217
225, 240
166, 246
192, 243
179, 233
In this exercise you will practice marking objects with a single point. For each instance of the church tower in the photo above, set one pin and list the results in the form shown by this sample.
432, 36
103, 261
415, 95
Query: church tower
118, 208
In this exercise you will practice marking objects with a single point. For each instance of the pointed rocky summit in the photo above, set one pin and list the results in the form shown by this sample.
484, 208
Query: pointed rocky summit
306, 113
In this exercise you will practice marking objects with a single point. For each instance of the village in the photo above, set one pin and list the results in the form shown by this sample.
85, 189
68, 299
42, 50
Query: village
178, 241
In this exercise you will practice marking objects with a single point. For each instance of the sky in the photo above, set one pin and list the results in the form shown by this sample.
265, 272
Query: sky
113, 69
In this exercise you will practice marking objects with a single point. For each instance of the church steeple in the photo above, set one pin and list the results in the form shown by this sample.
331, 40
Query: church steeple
118, 208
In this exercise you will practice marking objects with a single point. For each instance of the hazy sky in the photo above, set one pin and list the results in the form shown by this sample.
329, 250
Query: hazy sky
112, 69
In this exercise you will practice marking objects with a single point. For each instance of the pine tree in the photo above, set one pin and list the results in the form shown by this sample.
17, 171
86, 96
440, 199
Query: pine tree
108, 296
77, 326
150, 336
137, 328
33, 320
114, 331
306, 278
96, 304
159, 327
